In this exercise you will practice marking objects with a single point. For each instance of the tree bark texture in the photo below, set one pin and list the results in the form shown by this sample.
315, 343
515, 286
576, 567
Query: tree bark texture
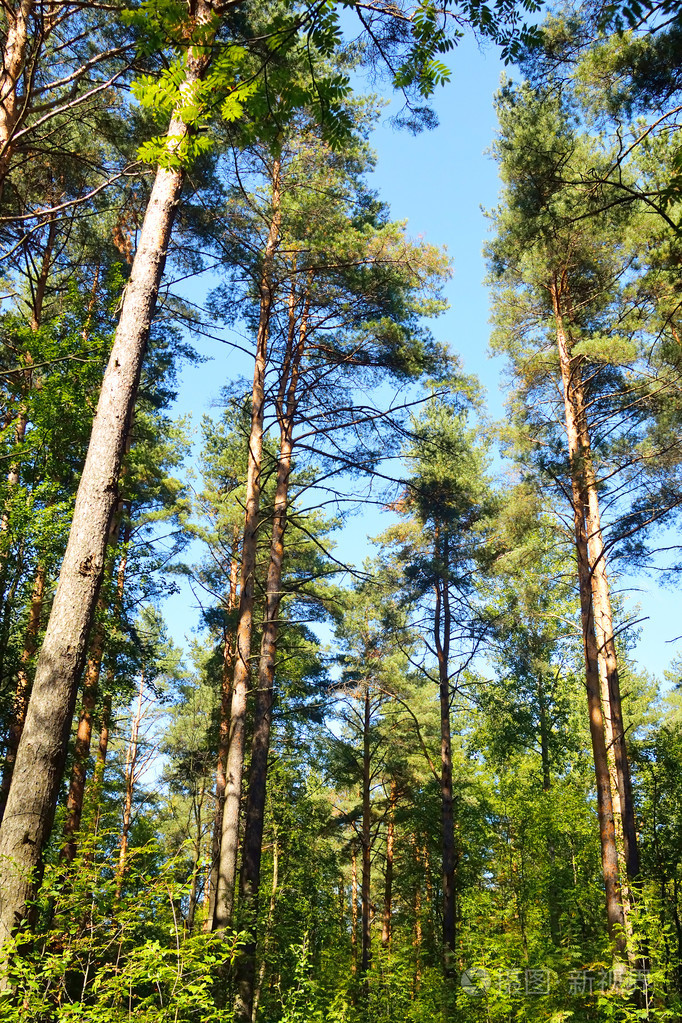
354, 907
570, 375
227, 870
13, 63
41, 755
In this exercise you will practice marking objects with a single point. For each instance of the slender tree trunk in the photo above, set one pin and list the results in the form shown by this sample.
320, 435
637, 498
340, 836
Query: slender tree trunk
192, 903
41, 755
442, 630
223, 734
570, 376
74, 802
260, 746
130, 779
21, 696
354, 907
227, 871
388, 879
268, 933
39, 289
366, 920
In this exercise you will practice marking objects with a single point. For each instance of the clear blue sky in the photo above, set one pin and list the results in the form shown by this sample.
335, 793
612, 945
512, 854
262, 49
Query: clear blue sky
439, 181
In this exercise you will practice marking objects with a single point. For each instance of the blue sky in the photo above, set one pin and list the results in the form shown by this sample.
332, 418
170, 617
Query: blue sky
439, 181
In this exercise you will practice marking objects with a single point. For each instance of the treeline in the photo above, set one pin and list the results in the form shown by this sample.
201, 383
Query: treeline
466, 804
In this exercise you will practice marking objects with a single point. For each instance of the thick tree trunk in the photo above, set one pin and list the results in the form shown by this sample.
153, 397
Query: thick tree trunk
227, 870
570, 378
13, 64
40, 758
603, 616
21, 696
388, 877
260, 747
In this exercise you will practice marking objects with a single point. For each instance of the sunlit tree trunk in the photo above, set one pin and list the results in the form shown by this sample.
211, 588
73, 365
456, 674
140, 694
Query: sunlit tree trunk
227, 870
260, 746
570, 377
227, 677
41, 755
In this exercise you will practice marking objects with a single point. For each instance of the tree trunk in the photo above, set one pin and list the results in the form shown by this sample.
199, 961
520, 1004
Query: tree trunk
388, 879
41, 755
260, 747
130, 779
442, 629
570, 373
268, 933
21, 696
227, 870
603, 615
354, 907
223, 735
13, 64
366, 959
74, 802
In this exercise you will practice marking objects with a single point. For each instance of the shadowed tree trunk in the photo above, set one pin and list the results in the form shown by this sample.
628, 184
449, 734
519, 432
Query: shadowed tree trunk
227, 870
41, 755
354, 907
21, 696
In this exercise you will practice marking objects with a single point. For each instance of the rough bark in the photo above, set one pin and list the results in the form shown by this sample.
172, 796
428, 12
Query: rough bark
227, 869
608, 656
570, 377
41, 755
252, 844
13, 63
